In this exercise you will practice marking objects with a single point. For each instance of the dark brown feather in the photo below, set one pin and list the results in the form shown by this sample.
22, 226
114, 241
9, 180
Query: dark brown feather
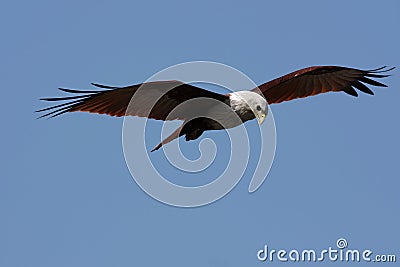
115, 101
321, 79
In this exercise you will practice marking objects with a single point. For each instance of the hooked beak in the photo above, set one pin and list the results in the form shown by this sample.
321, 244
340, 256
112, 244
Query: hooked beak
261, 118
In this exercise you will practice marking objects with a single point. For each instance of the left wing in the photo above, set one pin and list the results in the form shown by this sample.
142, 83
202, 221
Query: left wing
154, 100
321, 79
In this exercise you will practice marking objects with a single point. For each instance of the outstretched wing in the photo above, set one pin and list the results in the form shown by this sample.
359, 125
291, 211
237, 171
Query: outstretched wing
321, 79
153, 100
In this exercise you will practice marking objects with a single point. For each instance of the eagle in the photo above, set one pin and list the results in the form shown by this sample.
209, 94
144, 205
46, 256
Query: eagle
158, 99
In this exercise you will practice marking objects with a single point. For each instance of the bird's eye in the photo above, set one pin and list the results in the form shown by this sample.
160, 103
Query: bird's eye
258, 108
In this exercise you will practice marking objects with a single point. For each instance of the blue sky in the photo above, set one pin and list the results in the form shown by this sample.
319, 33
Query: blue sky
66, 195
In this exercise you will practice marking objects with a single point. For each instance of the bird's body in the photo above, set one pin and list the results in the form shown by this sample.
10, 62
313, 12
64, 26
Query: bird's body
213, 115
202, 110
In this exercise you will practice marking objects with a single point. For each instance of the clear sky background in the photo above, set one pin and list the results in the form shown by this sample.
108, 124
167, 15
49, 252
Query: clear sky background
66, 196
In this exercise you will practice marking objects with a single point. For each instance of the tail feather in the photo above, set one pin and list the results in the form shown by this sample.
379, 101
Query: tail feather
171, 137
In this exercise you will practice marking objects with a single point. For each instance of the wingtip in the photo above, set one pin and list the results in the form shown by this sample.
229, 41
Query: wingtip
349, 90
63, 89
156, 148
382, 69
73, 91
103, 86
392, 68
42, 116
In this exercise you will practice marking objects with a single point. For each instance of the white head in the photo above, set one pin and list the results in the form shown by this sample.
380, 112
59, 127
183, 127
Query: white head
243, 102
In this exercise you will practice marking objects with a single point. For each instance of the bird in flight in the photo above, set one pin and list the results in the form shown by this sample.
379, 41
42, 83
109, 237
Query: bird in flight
160, 99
